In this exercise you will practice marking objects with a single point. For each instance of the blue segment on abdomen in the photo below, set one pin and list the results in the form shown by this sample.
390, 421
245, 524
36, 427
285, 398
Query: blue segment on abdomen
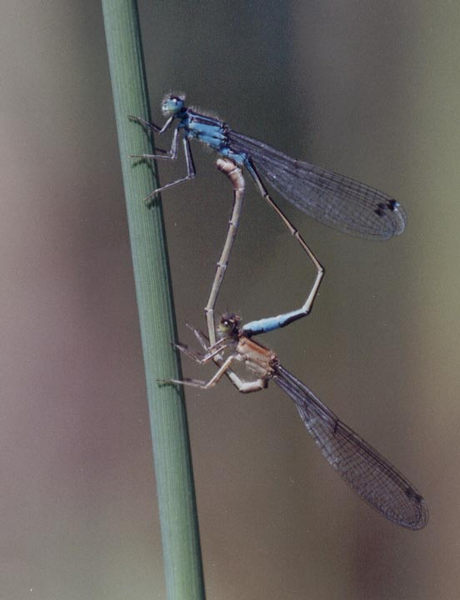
271, 323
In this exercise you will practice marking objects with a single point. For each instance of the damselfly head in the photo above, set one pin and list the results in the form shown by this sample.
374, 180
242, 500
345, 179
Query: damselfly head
172, 105
229, 325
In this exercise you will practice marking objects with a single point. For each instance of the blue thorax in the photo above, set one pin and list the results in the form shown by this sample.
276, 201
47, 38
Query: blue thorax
209, 131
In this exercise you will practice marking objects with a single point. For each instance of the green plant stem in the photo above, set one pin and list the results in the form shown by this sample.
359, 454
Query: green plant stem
173, 469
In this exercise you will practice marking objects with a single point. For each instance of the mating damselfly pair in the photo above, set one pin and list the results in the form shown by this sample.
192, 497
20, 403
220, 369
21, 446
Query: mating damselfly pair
334, 200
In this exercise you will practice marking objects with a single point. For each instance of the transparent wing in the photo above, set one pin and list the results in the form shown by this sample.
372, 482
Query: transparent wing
362, 467
332, 199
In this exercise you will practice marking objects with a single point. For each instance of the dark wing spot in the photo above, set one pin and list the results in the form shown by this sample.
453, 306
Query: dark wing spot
383, 207
413, 495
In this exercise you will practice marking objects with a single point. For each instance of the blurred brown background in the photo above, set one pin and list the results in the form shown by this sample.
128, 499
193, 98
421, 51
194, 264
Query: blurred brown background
370, 89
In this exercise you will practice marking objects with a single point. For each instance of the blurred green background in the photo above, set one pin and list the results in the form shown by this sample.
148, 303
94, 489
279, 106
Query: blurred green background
369, 89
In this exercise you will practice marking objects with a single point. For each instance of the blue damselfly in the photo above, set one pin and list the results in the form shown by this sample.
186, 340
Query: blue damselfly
332, 199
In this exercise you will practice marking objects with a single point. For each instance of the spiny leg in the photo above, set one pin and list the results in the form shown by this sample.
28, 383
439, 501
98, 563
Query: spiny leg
214, 379
169, 155
191, 172
210, 351
241, 386
149, 126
